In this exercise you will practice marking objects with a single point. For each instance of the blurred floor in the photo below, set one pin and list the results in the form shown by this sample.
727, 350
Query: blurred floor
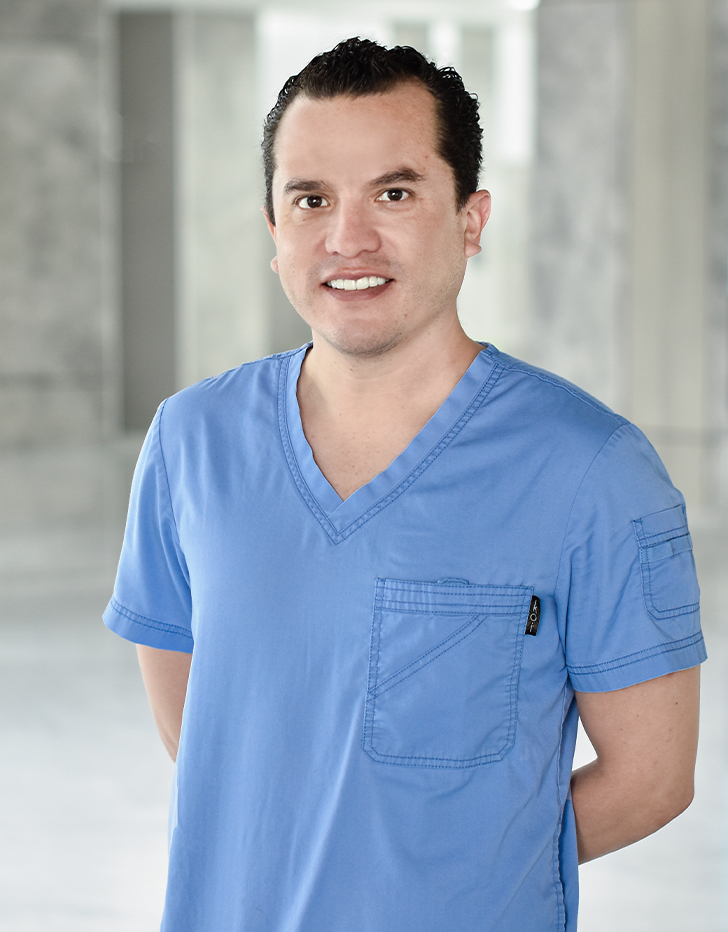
84, 780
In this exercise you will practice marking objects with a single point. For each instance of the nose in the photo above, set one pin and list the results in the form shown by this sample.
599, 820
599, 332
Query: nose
352, 230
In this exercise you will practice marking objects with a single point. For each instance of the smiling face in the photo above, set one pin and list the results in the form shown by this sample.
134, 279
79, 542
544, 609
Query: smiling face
371, 248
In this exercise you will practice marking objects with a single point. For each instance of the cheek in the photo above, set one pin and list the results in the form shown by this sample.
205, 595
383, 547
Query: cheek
295, 276
296, 254
439, 251
285, 258
443, 260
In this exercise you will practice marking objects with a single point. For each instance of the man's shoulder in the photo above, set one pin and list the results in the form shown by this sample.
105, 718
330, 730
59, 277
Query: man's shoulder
241, 388
581, 434
550, 400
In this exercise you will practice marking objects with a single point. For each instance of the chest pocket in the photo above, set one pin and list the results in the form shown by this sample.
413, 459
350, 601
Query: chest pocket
443, 673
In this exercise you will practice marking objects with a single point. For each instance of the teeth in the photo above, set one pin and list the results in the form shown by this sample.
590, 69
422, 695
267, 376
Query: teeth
359, 284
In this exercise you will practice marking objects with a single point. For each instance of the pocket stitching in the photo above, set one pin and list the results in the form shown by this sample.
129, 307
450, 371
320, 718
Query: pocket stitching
459, 762
660, 613
468, 628
648, 542
448, 763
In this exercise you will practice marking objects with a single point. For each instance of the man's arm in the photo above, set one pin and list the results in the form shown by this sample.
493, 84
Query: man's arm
165, 674
646, 738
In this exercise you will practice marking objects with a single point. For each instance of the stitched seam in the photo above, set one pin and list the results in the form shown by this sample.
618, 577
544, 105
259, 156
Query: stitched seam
497, 592
448, 762
406, 585
488, 597
682, 526
556, 863
444, 442
166, 474
630, 659
290, 456
461, 634
573, 503
339, 536
664, 535
543, 377
647, 545
464, 761
149, 622
461, 762
651, 540
378, 621
493, 597
369, 698
647, 595
251, 362
461, 610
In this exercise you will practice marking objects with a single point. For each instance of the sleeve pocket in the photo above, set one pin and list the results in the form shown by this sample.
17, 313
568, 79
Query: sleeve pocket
669, 582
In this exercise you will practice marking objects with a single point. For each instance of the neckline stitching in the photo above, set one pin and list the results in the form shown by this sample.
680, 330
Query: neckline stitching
290, 455
338, 536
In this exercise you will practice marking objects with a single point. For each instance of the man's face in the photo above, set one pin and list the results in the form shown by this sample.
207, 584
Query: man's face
371, 249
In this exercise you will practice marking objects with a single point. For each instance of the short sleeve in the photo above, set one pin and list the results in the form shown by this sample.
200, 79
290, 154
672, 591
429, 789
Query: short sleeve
628, 594
151, 603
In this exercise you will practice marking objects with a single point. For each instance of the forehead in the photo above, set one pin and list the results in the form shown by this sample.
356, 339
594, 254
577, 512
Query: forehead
372, 133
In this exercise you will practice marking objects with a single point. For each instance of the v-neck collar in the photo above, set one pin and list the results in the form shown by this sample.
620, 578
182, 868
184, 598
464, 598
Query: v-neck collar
341, 517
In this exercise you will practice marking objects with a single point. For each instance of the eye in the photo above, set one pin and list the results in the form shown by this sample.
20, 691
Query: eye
393, 194
312, 202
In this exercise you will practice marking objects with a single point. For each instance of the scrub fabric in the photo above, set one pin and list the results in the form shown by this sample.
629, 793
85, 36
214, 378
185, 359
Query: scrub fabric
371, 741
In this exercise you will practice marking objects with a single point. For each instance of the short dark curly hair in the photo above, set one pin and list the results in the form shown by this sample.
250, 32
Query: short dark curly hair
357, 67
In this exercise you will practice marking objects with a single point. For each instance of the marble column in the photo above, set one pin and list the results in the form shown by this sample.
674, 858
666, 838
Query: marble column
580, 192
715, 379
223, 273
56, 318
629, 247
148, 213
194, 243
496, 62
678, 170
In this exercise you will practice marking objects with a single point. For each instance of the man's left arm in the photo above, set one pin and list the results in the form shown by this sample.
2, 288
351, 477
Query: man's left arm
645, 737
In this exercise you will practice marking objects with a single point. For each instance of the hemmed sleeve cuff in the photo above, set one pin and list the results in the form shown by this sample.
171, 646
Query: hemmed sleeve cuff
146, 631
639, 667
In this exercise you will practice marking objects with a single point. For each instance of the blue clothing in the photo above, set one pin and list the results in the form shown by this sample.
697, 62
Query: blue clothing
371, 740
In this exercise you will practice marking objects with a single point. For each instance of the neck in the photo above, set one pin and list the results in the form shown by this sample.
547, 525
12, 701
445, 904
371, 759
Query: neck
358, 414
414, 375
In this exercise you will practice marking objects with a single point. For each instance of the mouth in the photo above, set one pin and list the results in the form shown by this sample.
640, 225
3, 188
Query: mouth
356, 284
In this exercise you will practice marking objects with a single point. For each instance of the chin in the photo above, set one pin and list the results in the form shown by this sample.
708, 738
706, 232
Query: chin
363, 346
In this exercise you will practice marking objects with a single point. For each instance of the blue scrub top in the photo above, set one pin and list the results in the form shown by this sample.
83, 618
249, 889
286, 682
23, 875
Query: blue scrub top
371, 740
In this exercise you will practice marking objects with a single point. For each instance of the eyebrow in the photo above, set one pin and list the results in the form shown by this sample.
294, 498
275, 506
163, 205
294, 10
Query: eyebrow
301, 184
395, 177
304, 185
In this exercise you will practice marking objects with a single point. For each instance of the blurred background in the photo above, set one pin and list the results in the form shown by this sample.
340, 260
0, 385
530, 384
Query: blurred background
134, 261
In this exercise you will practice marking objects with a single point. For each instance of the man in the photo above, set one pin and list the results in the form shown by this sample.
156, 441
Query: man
397, 554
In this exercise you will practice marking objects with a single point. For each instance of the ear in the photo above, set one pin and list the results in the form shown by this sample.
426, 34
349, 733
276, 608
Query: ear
476, 212
272, 230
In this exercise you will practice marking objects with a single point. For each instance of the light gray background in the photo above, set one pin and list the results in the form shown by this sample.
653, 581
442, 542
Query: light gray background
133, 260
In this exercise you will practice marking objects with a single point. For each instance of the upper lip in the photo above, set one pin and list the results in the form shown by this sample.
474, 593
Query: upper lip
355, 275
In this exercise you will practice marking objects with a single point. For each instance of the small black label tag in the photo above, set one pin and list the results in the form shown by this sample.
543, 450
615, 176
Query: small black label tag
534, 616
